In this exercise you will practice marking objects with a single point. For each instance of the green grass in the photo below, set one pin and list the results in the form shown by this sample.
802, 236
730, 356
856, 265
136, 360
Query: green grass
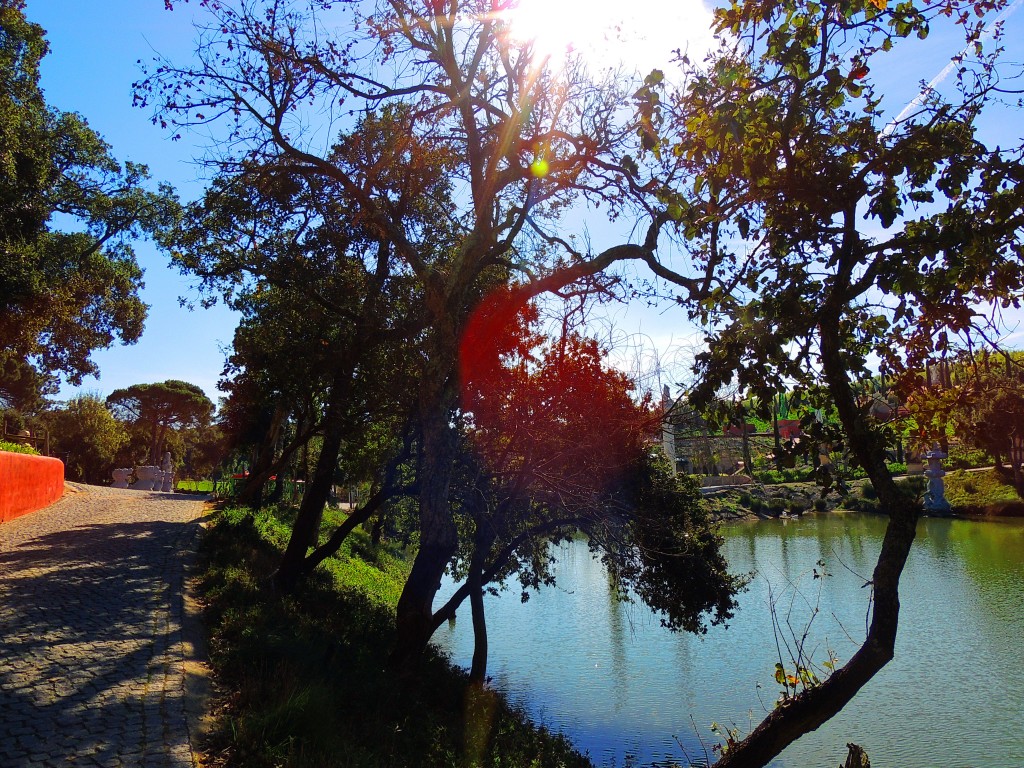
195, 486
306, 678
984, 492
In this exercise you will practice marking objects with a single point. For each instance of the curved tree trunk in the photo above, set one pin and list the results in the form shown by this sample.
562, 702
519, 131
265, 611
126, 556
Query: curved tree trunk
307, 520
438, 537
815, 706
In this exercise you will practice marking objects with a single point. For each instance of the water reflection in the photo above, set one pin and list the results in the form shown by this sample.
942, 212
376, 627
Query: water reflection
618, 684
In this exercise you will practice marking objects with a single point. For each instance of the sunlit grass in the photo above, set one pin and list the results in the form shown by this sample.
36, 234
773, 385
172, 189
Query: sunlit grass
979, 491
195, 486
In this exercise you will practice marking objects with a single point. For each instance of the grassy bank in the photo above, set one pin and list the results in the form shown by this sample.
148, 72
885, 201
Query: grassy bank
975, 493
304, 680
988, 492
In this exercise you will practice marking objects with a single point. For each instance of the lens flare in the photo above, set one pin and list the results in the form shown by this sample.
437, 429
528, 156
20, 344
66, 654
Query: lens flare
640, 35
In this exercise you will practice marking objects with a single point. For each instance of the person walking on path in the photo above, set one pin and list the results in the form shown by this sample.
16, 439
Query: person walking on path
93, 656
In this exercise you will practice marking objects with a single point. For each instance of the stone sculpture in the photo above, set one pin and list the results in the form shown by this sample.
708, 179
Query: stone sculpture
148, 476
121, 476
168, 474
935, 498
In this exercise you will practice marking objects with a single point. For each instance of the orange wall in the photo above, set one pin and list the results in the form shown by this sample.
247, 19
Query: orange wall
28, 483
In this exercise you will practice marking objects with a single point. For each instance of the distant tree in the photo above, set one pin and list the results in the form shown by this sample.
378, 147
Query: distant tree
157, 408
85, 434
203, 449
998, 425
988, 410
63, 294
22, 387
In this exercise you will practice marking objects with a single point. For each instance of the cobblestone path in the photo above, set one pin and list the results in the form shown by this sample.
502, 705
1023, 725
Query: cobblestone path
92, 654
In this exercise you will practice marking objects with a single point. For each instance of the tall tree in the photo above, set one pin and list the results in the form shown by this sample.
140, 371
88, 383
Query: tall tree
839, 234
63, 294
328, 308
158, 408
527, 143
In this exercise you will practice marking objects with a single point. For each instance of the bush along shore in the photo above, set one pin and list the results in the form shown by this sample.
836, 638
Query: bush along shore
986, 493
303, 680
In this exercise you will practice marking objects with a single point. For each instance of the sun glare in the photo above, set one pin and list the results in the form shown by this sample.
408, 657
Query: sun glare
638, 35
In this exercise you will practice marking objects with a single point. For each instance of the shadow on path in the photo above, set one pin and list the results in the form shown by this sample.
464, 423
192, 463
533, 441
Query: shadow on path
90, 655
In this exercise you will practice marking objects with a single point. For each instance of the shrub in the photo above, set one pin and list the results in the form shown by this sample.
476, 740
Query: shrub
913, 486
964, 457
898, 467
777, 506
744, 499
18, 448
820, 505
797, 507
868, 491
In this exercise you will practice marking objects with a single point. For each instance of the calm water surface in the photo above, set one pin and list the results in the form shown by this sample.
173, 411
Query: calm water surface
623, 689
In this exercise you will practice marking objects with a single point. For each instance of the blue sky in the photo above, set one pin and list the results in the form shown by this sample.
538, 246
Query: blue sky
95, 46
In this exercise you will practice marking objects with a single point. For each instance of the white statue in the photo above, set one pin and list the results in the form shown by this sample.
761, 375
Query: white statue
935, 497
168, 474
148, 476
121, 476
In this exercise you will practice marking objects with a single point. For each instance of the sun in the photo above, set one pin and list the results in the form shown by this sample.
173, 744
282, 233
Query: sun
636, 35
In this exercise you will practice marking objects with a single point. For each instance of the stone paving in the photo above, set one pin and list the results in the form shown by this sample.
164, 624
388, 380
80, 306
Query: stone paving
92, 653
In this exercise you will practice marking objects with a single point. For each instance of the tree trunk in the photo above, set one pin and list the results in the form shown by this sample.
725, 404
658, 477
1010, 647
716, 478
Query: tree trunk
815, 706
377, 532
438, 537
252, 491
159, 433
478, 670
278, 493
307, 521
483, 540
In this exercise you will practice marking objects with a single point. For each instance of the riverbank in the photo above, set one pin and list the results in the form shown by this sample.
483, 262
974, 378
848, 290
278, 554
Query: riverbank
304, 681
973, 494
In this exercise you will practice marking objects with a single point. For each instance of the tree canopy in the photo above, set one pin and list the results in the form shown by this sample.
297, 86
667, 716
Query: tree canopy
161, 407
63, 292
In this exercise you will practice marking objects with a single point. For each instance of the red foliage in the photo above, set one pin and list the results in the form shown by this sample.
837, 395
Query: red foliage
546, 416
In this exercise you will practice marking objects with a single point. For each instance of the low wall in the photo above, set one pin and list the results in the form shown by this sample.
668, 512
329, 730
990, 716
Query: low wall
28, 483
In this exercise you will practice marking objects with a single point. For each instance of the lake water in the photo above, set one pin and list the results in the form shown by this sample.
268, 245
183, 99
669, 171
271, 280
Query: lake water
628, 691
